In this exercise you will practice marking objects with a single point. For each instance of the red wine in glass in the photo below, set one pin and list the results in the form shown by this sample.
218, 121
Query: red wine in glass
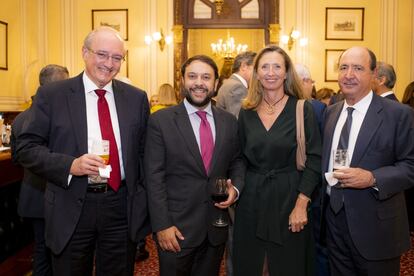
220, 194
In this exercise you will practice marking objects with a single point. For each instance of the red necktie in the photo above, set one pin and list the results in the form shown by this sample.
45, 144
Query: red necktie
108, 134
206, 140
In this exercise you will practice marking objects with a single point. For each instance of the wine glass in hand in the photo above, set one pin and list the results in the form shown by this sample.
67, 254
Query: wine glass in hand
220, 194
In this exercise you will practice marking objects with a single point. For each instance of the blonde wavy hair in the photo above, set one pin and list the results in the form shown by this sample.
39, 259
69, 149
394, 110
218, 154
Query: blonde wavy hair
291, 85
166, 95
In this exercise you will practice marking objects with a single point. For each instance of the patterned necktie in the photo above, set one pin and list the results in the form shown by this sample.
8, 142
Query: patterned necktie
337, 197
107, 132
206, 140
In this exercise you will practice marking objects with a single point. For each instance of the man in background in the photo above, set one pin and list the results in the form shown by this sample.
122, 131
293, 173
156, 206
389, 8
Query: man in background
90, 221
385, 80
366, 216
234, 89
188, 147
33, 186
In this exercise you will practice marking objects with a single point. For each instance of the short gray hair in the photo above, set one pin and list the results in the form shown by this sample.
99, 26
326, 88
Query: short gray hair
247, 57
302, 71
89, 38
386, 70
51, 73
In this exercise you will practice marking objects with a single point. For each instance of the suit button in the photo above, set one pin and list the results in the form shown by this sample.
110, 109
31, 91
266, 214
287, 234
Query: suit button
80, 200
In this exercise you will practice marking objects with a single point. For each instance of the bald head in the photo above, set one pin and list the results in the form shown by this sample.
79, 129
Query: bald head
103, 52
357, 67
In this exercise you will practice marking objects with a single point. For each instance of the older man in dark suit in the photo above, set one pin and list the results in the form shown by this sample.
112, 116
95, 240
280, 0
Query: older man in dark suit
234, 89
384, 81
33, 186
188, 147
86, 219
367, 226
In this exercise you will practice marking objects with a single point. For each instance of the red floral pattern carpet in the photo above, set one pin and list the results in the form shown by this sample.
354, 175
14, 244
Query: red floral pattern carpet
149, 267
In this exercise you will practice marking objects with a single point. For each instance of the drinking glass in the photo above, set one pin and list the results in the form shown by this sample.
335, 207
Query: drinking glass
340, 159
100, 148
220, 194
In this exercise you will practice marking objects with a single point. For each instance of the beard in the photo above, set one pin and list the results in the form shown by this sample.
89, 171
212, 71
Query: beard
209, 95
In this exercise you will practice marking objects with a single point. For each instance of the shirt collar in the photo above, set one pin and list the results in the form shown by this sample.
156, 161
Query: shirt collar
244, 82
192, 109
387, 93
90, 86
362, 105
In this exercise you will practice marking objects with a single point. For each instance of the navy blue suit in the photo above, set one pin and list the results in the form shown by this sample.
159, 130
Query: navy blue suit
377, 219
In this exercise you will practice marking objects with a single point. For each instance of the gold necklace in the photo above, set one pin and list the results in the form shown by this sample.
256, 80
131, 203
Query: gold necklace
270, 108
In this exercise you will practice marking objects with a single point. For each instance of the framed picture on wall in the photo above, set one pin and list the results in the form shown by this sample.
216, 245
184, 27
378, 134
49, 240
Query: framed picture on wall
331, 64
117, 19
344, 24
123, 72
3, 46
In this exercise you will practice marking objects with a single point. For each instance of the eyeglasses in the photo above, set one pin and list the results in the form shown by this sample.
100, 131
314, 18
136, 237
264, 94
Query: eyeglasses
104, 56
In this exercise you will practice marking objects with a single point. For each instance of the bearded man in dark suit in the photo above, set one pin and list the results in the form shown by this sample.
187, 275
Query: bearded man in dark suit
88, 217
367, 225
181, 167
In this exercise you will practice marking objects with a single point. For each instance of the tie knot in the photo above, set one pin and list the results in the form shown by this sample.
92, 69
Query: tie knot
350, 110
100, 92
202, 115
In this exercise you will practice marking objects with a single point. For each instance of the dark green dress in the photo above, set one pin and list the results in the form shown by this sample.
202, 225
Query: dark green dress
270, 192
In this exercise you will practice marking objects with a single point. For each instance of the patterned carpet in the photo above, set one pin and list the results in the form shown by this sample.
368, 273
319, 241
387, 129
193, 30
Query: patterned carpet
149, 267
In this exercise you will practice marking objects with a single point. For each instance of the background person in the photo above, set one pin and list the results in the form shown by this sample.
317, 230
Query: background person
87, 221
234, 89
166, 98
32, 189
385, 80
270, 229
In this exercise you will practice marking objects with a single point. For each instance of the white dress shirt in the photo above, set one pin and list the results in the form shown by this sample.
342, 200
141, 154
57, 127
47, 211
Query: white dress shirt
387, 93
94, 129
195, 120
358, 115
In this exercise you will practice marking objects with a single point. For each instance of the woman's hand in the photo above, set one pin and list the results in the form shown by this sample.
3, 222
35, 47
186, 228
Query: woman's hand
298, 218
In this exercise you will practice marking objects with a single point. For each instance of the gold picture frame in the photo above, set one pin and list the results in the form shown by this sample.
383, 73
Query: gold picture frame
331, 64
3, 46
124, 71
344, 24
114, 18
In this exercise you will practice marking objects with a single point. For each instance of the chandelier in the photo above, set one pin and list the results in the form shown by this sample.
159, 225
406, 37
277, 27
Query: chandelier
228, 48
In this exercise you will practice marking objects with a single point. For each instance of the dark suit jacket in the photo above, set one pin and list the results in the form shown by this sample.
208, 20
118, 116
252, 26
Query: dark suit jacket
32, 188
58, 120
178, 187
377, 220
231, 94
392, 97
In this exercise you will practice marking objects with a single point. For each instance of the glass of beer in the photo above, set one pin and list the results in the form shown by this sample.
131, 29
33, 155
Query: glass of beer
101, 148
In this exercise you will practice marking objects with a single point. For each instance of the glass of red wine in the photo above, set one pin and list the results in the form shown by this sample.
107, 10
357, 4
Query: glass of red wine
220, 194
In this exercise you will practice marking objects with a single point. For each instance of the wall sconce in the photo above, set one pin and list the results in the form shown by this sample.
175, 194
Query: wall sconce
219, 6
290, 39
160, 38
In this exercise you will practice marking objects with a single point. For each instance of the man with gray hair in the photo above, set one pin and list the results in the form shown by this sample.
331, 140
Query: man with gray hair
95, 209
385, 80
234, 89
32, 188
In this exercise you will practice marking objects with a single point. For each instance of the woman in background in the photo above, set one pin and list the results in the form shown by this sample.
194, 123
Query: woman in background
271, 231
166, 98
408, 97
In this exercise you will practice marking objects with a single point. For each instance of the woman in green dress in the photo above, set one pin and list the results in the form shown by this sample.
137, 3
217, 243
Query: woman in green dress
272, 231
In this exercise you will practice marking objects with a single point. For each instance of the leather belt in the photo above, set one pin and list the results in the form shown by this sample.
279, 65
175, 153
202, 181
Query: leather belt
101, 187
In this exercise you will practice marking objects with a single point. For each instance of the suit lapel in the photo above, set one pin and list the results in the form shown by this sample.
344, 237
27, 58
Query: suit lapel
329, 130
368, 129
77, 112
220, 134
122, 113
184, 127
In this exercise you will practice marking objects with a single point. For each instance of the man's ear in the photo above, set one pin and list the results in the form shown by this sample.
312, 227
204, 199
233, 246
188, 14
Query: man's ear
216, 84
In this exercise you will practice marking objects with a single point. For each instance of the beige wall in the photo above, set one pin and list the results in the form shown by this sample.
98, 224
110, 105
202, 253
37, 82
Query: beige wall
52, 31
